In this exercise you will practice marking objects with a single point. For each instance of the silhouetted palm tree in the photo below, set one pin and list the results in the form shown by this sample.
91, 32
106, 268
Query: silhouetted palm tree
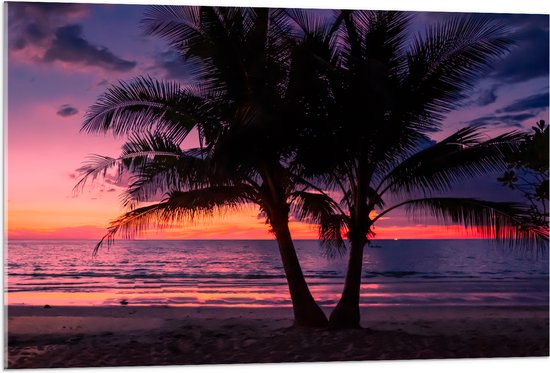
290, 116
239, 107
377, 97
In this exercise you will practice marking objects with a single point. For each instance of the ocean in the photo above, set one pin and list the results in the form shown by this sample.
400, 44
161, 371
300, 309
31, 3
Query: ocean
249, 273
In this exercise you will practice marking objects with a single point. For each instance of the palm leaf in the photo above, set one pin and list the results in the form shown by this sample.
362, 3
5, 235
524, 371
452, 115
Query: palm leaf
136, 153
362, 83
97, 166
375, 35
310, 24
504, 221
147, 105
441, 68
178, 207
445, 63
320, 209
185, 172
209, 35
179, 25
461, 156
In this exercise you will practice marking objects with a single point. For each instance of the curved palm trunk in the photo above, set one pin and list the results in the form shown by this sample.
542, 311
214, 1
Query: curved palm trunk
306, 311
347, 314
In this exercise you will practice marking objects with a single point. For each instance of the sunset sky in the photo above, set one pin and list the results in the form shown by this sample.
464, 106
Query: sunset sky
61, 57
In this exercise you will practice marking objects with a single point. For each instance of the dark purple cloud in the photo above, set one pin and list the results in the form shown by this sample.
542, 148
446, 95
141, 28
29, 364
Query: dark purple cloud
32, 23
33, 33
69, 46
483, 96
22, 10
67, 111
172, 66
514, 114
488, 95
529, 58
535, 103
511, 120
51, 32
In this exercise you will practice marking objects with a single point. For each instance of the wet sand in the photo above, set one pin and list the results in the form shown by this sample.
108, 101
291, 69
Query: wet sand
131, 336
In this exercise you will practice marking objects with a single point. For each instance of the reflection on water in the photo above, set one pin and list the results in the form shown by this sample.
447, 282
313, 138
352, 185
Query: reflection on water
249, 273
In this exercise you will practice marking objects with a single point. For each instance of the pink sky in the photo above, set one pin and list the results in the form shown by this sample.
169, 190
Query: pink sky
44, 148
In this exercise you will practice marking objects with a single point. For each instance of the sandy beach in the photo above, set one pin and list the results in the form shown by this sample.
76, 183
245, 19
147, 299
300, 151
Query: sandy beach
130, 336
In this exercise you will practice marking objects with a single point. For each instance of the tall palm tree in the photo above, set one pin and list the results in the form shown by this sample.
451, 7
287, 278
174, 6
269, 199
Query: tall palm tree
238, 106
379, 96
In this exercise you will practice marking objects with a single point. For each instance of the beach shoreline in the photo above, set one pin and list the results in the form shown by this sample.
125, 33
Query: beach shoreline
98, 336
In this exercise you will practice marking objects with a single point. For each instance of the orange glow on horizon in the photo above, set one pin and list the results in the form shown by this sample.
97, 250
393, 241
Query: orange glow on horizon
87, 219
242, 229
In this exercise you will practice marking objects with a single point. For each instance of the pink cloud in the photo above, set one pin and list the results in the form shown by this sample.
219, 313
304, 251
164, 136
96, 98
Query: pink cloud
31, 26
48, 33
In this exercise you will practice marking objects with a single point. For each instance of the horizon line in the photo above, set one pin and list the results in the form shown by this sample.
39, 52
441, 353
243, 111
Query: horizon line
239, 239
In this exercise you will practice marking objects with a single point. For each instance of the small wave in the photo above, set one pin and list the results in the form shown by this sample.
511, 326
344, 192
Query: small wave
449, 277
393, 274
234, 301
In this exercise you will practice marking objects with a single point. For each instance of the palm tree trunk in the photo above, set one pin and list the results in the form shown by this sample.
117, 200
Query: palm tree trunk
306, 311
346, 314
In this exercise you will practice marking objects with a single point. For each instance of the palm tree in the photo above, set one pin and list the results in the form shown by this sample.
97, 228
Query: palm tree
378, 101
418, 184
238, 107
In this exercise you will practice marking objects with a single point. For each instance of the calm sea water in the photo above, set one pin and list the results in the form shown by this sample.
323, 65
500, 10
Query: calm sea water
249, 273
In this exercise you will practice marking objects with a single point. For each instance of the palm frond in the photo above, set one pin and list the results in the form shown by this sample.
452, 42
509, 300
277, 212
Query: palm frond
445, 63
96, 166
231, 46
210, 35
178, 208
135, 155
362, 83
310, 23
147, 142
504, 221
320, 209
190, 170
379, 36
461, 156
179, 25
280, 42
147, 105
